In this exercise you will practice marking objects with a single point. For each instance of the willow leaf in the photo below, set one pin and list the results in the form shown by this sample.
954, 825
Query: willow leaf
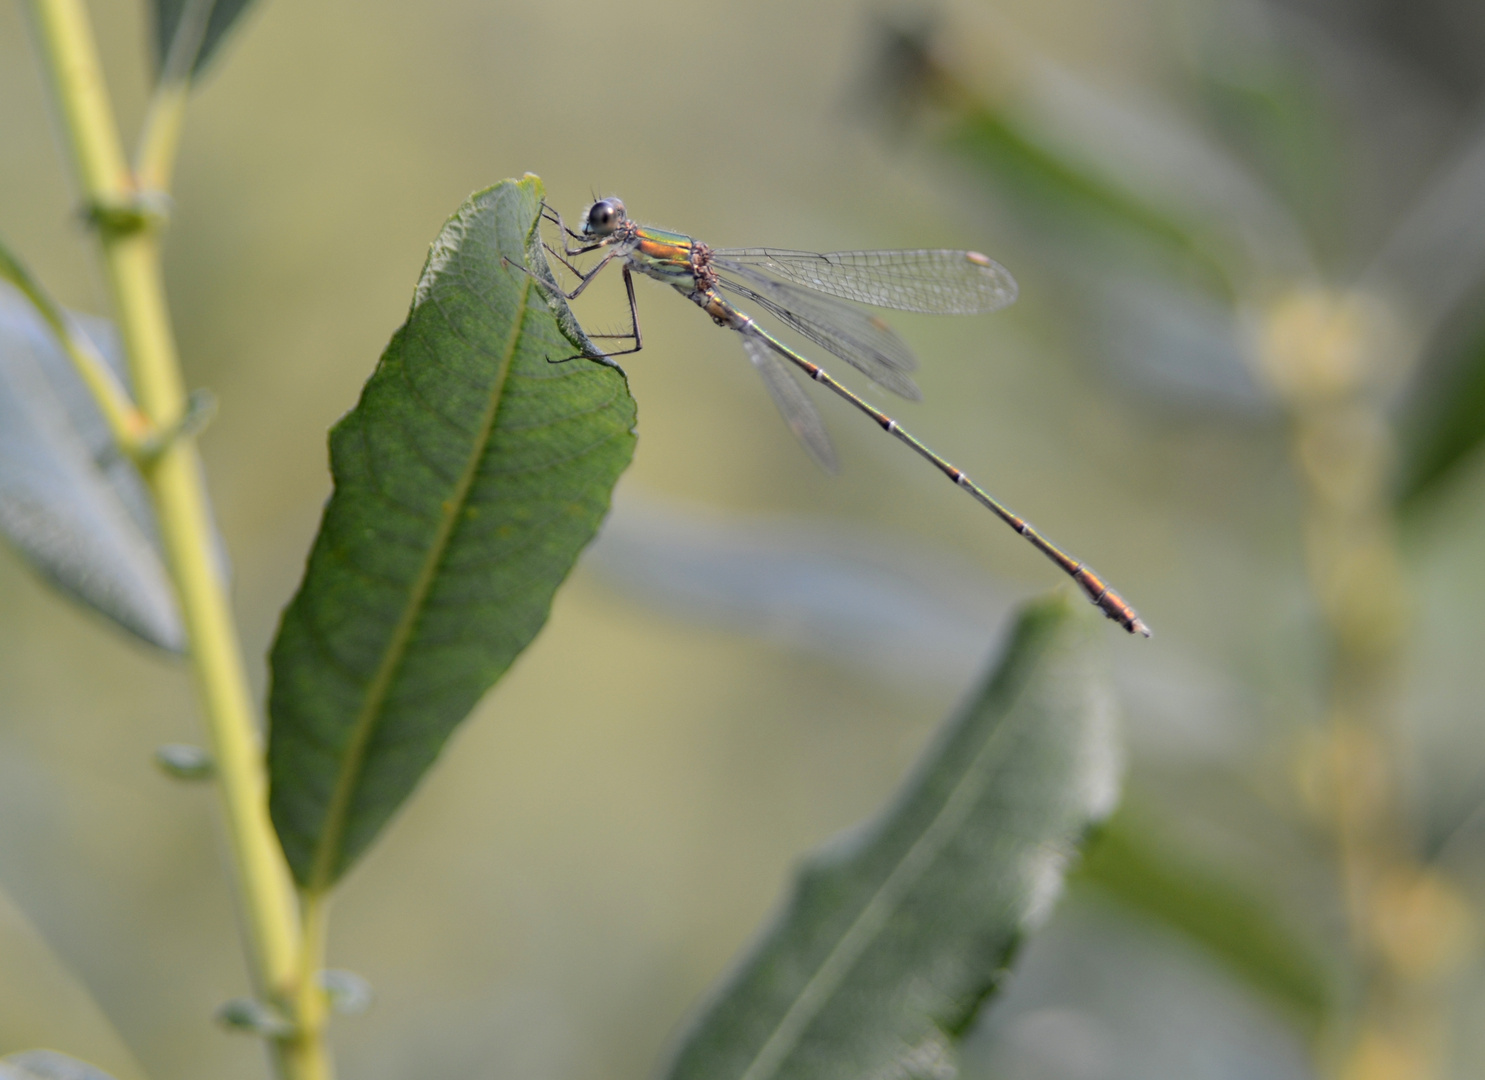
1443, 425
75, 507
475, 468
219, 17
1141, 869
895, 936
48, 1065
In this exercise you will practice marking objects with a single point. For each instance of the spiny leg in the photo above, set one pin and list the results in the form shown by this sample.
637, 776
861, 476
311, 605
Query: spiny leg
634, 334
554, 253
583, 279
554, 215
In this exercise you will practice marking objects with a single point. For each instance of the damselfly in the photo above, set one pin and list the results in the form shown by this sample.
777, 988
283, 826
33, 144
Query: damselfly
804, 291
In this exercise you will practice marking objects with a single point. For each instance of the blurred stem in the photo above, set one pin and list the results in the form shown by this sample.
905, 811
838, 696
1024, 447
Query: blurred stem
131, 257
1319, 356
154, 161
130, 429
159, 137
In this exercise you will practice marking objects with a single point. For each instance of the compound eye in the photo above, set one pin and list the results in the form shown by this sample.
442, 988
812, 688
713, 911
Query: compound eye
604, 217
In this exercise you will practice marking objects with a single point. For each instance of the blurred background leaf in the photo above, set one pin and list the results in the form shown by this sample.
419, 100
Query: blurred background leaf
1093, 174
475, 468
1131, 863
1103, 992
879, 602
1445, 423
1435, 261
69, 501
42, 1003
168, 14
48, 1065
896, 934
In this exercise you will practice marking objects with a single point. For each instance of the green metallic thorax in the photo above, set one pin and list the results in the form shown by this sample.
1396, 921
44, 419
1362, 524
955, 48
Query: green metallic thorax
665, 256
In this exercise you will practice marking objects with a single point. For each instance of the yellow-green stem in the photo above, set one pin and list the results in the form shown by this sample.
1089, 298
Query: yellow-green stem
154, 159
1318, 356
128, 426
305, 1051
132, 263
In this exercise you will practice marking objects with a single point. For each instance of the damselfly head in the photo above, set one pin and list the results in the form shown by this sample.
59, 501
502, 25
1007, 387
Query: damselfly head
603, 217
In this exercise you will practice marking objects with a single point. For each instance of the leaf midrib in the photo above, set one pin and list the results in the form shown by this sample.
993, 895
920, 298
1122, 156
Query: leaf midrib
326, 855
864, 928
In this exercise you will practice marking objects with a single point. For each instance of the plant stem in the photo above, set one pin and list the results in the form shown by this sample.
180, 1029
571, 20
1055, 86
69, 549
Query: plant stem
131, 258
159, 136
128, 426
1405, 922
155, 156
305, 1051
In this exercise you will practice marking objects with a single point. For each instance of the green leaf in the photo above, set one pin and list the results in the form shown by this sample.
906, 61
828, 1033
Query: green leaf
997, 145
255, 1018
475, 468
1269, 103
350, 994
48, 1065
1129, 863
220, 17
1014, 150
897, 934
181, 761
73, 506
1433, 267
1444, 424
1432, 263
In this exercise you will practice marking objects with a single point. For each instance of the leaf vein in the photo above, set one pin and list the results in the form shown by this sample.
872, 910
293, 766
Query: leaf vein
337, 814
881, 905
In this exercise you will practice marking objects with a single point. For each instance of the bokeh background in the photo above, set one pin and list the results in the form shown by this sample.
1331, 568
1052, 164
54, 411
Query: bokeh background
753, 652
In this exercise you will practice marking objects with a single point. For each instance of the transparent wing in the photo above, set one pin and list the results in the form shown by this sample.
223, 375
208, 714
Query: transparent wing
936, 282
857, 337
793, 403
